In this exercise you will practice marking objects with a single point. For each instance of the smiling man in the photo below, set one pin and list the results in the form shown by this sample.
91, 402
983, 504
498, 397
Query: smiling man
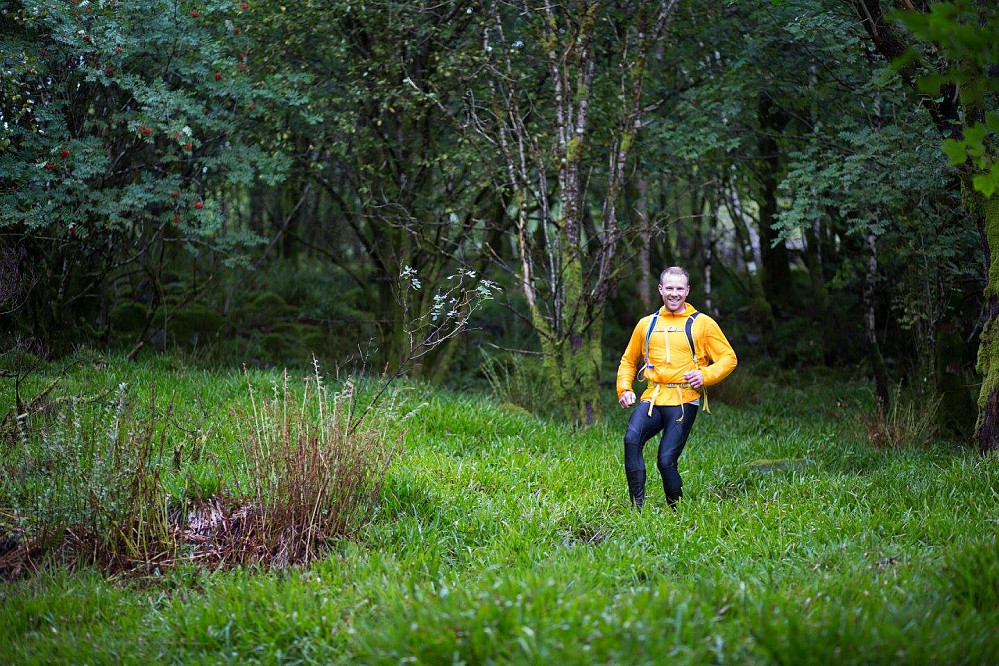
679, 352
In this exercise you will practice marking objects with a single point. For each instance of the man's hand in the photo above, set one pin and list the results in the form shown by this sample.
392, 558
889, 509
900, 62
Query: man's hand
626, 399
694, 378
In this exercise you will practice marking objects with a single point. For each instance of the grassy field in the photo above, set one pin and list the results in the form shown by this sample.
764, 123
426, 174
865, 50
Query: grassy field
505, 538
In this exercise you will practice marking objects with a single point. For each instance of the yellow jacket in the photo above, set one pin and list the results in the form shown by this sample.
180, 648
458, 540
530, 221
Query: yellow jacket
715, 356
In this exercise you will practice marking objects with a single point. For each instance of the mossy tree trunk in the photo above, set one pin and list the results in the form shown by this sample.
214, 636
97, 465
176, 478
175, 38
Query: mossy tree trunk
986, 211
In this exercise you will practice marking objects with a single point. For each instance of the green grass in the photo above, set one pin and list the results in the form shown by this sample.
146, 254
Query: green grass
503, 538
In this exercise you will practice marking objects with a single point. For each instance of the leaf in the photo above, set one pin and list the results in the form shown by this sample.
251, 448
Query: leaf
992, 121
956, 151
975, 135
986, 183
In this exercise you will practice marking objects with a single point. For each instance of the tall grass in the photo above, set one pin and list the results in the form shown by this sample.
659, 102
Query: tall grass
88, 481
304, 479
124, 486
906, 421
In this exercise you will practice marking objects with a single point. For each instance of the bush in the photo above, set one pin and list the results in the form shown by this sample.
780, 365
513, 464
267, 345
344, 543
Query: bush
194, 326
265, 308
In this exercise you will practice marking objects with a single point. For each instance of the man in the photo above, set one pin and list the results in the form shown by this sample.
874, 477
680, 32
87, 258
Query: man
679, 352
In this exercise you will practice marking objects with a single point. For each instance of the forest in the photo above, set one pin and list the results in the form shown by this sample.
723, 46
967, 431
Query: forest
448, 218
255, 181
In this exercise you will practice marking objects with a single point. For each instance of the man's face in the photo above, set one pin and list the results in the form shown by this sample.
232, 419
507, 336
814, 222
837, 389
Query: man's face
674, 290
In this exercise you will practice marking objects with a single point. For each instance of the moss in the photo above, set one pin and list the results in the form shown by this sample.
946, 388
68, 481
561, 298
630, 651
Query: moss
194, 326
990, 212
574, 149
263, 308
127, 317
274, 344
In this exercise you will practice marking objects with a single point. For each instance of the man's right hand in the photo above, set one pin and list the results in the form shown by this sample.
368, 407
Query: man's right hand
626, 399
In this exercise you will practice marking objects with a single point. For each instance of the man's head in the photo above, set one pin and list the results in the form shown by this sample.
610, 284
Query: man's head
674, 285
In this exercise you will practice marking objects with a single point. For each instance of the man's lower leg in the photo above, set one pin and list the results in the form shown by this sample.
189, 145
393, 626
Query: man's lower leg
636, 487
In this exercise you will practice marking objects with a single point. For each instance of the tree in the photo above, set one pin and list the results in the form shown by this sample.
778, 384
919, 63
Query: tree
948, 59
120, 120
565, 92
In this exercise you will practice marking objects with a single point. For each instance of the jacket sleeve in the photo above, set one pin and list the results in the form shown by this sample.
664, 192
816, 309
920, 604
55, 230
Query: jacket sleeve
631, 359
716, 350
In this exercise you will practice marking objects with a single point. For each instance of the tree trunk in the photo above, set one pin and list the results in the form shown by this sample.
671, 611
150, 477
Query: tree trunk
709, 251
986, 212
773, 250
645, 283
820, 294
878, 368
760, 311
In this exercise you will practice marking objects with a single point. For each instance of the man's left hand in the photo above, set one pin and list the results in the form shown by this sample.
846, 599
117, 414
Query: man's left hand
694, 378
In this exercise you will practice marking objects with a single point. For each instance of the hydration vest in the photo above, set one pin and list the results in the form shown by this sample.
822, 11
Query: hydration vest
688, 328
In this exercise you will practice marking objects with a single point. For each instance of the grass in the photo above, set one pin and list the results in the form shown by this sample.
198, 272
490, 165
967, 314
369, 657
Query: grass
506, 538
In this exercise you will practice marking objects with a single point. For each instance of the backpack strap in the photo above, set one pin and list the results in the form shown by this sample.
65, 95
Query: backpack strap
648, 334
689, 330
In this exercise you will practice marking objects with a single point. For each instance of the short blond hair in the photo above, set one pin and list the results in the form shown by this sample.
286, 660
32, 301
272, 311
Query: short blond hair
675, 270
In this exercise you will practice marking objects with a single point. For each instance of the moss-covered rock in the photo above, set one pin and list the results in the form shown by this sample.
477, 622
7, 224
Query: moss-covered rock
263, 308
194, 325
274, 345
127, 317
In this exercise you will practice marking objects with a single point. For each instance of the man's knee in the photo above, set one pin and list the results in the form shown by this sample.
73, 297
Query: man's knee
668, 469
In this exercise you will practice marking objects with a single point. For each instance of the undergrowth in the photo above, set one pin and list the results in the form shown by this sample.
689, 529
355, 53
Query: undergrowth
119, 484
502, 537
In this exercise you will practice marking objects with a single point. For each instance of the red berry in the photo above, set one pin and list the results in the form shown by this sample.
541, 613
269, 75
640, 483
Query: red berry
244, 5
241, 67
199, 205
72, 228
175, 194
65, 153
235, 31
43, 52
145, 130
195, 13
218, 76
251, 106
188, 146
176, 218
110, 71
49, 166
117, 49
86, 38
242, 56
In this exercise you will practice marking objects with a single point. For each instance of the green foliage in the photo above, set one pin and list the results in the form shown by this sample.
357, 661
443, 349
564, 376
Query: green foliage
125, 121
965, 37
